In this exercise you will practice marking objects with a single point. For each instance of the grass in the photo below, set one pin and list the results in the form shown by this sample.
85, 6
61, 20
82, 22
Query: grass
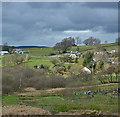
7, 60
48, 51
38, 61
10, 100
41, 51
58, 103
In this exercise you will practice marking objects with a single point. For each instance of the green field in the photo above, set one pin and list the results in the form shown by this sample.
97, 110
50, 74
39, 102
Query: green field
41, 51
59, 103
38, 61
48, 51
7, 60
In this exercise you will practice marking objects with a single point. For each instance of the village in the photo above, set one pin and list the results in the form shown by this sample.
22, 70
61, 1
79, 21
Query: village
99, 56
60, 59
96, 69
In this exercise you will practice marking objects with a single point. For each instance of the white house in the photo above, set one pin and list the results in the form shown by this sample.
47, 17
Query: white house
99, 53
23, 52
73, 56
85, 69
113, 51
19, 51
4, 53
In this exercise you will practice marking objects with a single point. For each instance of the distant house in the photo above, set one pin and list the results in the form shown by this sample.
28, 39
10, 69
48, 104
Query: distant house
67, 53
116, 61
87, 70
4, 53
110, 60
19, 51
23, 52
73, 56
99, 53
113, 51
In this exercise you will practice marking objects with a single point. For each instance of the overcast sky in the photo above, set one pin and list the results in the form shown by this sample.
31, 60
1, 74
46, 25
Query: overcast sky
39, 23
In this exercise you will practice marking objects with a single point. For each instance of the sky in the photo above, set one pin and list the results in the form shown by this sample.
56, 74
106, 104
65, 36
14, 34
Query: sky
46, 23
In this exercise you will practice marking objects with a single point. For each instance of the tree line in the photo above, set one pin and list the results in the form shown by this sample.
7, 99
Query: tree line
67, 43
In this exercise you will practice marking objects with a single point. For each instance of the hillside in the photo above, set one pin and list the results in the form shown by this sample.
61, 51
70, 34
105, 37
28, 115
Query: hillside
50, 51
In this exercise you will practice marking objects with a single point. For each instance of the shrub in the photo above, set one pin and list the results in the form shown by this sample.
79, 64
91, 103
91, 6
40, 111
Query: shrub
52, 53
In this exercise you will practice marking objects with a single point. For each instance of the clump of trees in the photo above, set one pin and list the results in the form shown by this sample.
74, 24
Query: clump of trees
92, 41
107, 75
117, 40
87, 58
17, 78
65, 44
5, 47
12, 60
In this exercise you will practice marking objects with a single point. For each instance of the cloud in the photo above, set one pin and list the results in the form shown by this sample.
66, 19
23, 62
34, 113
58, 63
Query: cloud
74, 31
46, 23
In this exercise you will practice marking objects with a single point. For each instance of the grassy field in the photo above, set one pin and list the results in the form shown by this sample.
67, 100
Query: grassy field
41, 51
7, 60
58, 103
38, 61
48, 51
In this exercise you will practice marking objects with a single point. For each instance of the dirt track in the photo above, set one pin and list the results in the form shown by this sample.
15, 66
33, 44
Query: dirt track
23, 110
83, 87
32, 91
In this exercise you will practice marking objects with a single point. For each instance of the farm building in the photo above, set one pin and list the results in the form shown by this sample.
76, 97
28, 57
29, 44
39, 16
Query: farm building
74, 54
19, 51
99, 53
113, 51
110, 60
4, 53
88, 71
23, 52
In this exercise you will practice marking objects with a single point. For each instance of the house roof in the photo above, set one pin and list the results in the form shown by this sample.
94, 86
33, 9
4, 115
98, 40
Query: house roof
4, 52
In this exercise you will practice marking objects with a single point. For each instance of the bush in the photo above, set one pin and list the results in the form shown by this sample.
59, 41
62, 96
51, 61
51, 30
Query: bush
19, 60
16, 79
52, 53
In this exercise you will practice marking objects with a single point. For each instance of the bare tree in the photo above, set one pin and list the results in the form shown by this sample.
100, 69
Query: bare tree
66, 44
92, 41
79, 41
106, 42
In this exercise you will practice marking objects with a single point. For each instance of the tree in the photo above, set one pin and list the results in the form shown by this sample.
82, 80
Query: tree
117, 40
59, 69
65, 44
66, 58
106, 42
78, 41
110, 72
11, 48
28, 57
99, 47
88, 58
76, 60
19, 60
55, 61
116, 71
76, 70
101, 64
91, 41
102, 77
5, 47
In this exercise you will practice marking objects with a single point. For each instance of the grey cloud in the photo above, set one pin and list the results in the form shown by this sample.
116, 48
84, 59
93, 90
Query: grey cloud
113, 5
24, 21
